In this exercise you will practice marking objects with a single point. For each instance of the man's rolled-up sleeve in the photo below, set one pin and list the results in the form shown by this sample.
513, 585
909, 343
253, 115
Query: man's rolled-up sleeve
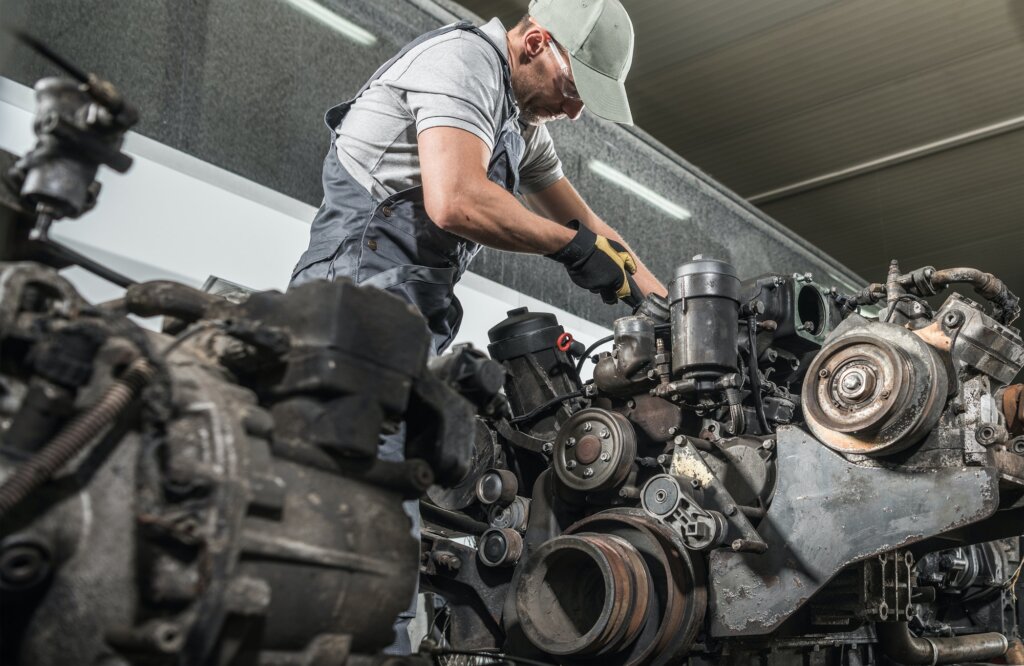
541, 166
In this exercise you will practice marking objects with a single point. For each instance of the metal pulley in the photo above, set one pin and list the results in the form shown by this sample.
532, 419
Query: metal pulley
594, 450
874, 389
664, 500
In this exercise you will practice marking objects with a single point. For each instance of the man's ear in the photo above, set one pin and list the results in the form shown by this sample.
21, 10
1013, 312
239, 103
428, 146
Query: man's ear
534, 41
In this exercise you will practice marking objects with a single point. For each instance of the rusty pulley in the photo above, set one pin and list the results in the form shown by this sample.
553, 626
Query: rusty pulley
874, 389
617, 589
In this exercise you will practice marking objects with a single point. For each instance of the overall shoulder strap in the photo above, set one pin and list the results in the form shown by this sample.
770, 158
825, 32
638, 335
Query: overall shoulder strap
333, 115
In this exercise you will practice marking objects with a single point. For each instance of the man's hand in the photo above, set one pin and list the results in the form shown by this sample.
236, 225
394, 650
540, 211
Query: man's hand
598, 264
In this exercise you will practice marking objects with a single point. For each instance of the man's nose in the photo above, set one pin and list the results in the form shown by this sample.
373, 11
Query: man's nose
572, 108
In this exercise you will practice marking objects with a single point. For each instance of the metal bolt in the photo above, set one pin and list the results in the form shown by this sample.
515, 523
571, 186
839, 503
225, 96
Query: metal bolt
588, 472
672, 431
768, 444
631, 404
695, 484
604, 433
886, 393
588, 426
662, 459
853, 381
548, 447
856, 383
823, 373
448, 560
571, 464
571, 442
730, 510
605, 457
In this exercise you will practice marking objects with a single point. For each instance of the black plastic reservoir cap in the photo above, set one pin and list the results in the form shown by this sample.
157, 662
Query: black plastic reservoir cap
523, 332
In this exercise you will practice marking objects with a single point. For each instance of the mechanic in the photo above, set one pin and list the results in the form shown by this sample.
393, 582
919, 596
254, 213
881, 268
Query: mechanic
426, 161
427, 158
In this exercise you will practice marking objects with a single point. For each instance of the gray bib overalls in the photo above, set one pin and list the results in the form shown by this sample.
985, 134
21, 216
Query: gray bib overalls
392, 244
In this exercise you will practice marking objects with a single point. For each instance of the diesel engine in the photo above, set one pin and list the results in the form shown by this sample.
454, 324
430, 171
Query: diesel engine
760, 471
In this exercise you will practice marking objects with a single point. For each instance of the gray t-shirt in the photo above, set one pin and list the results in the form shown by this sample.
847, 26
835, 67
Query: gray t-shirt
453, 80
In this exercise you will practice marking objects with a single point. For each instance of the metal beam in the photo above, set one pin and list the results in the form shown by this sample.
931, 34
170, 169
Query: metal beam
887, 161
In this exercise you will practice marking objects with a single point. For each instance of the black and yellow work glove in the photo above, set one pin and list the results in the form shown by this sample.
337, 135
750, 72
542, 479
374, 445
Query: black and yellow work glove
598, 264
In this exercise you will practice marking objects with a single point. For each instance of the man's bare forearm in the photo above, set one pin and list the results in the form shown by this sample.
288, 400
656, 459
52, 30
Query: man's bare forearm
487, 214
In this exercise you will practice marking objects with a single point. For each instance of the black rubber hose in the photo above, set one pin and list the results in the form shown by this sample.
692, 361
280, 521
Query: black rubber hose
539, 409
755, 378
452, 519
901, 646
586, 354
75, 436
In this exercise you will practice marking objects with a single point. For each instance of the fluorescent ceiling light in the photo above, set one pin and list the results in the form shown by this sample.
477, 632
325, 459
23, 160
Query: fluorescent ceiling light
334, 22
622, 180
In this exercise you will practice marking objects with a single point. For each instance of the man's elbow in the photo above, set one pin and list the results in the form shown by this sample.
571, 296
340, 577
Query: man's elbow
450, 212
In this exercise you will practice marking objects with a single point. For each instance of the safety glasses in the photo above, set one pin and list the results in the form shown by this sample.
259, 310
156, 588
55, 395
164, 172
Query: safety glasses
568, 86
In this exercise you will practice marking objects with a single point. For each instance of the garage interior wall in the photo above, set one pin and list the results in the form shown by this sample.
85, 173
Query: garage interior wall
243, 86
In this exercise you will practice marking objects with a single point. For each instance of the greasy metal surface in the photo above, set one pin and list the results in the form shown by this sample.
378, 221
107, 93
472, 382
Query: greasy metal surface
687, 461
193, 517
820, 495
984, 344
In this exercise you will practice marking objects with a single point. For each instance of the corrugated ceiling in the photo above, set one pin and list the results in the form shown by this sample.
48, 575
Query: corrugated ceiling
768, 93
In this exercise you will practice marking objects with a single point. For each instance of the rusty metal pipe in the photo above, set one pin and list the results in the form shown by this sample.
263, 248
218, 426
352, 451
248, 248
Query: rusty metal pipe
901, 646
987, 285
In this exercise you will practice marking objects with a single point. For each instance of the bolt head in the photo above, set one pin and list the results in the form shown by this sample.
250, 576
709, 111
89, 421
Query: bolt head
570, 464
570, 442
605, 457
662, 459
588, 426
604, 433
548, 447
823, 373
588, 472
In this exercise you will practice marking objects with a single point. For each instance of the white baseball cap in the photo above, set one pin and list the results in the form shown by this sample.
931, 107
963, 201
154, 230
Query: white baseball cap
599, 37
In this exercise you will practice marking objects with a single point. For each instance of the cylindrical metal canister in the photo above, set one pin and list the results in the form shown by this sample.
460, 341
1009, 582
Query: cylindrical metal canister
704, 301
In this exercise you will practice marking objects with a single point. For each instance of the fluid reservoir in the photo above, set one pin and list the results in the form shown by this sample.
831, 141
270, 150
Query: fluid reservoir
704, 301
